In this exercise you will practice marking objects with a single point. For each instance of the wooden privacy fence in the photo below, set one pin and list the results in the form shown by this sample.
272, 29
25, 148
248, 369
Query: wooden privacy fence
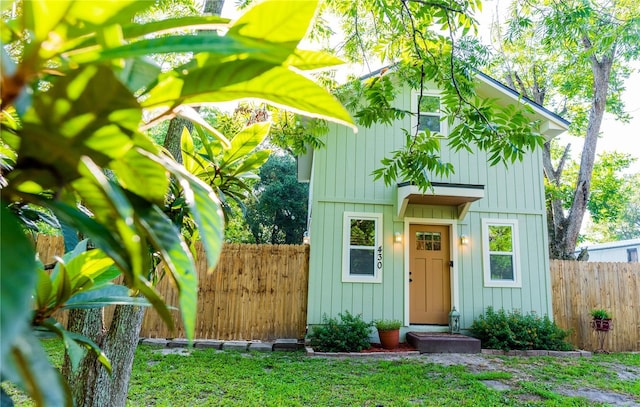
256, 292
580, 286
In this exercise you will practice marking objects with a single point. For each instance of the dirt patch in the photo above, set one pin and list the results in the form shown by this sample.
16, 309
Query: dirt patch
600, 396
624, 372
377, 348
478, 363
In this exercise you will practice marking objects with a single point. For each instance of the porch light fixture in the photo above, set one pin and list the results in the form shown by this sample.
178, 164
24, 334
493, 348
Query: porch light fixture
454, 321
397, 237
464, 240
305, 237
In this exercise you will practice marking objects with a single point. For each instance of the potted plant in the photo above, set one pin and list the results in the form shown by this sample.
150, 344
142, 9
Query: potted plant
601, 320
389, 332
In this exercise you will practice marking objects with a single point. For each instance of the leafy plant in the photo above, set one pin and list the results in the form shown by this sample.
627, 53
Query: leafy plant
388, 324
600, 314
513, 330
349, 334
76, 86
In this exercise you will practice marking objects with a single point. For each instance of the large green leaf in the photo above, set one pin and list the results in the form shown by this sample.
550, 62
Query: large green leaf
41, 16
211, 43
106, 12
245, 142
133, 167
167, 240
252, 162
90, 264
110, 294
249, 79
99, 234
280, 21
138, 73
17, 279
72, 342
192, 161
62, 285
27, 365
89, 112
307, 60
204, 208
174, 24
110, 205
44, 289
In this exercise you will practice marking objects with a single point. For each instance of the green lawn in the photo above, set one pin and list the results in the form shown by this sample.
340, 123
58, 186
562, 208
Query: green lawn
215, 378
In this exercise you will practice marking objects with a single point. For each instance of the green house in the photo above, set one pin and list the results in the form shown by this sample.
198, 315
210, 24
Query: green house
478, 239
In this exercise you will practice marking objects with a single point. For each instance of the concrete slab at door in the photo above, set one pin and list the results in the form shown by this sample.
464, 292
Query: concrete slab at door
430, 278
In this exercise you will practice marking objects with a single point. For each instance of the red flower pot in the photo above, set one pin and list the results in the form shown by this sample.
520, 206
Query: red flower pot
601, 324
389, 339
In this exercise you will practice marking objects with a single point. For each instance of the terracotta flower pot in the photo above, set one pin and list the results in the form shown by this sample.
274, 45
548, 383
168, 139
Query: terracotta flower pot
601, 324
389, 339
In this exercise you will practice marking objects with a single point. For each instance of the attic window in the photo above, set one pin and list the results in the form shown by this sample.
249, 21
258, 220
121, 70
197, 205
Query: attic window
362, 251
429, 113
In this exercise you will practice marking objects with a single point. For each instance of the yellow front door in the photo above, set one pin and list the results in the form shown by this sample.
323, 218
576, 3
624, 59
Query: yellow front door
429, 276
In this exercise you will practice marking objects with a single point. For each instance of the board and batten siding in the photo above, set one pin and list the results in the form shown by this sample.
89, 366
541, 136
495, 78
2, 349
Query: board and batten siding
342, 182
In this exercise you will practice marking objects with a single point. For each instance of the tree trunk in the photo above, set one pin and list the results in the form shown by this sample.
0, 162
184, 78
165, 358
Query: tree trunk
91, 384
566, 228
174, 133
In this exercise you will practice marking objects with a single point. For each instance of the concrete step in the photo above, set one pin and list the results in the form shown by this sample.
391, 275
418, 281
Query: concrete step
436, 342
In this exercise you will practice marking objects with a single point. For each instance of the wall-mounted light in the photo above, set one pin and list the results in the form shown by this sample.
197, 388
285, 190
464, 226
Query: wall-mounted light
464, 240
305, 237
397, 237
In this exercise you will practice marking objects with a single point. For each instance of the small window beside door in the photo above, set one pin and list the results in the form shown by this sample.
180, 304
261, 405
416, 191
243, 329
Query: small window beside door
500, 253
362, 252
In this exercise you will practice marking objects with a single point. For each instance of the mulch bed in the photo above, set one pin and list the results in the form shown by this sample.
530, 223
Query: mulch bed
377, 348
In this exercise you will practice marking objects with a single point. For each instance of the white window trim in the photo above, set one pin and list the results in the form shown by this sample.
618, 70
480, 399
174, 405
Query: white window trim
444, 129
347, 277
488, 281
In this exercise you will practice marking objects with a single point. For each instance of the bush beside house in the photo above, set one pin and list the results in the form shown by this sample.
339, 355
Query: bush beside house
516, 331
348, 333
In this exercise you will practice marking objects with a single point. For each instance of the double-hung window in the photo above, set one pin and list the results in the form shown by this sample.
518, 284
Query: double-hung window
429, 113
362, 251
500, 253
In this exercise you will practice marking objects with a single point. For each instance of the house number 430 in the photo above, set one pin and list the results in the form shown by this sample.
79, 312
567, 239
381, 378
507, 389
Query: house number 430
379, 258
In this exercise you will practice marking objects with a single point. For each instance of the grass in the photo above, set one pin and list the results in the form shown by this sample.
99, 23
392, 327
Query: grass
212, 378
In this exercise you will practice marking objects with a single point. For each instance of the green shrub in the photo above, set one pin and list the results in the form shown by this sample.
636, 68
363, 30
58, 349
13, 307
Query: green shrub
350, 334
388, 324
513, 330
600, 314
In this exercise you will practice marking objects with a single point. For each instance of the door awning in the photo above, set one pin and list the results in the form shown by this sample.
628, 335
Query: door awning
459, 195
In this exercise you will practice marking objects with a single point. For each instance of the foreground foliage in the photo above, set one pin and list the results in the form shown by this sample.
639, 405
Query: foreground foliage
208, 377
78, 93
516, 331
